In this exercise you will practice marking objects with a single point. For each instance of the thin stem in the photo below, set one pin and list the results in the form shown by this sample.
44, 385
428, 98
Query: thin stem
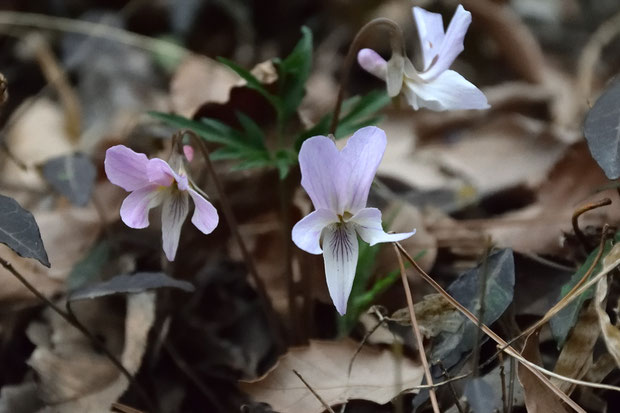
397, 43
582, 210
416, 331
482, 288
325, 405
70, 318
502, 380
448, 381
288, 262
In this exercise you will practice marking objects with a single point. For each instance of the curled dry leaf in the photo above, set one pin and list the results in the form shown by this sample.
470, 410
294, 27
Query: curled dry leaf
576, 356
538, 397
139, 319
324, 365
611, 333
435, 315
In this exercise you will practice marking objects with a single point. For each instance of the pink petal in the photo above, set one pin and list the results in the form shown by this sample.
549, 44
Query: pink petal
189, 152
452, 44
173, 214
372, 62
319, 161
160, 173
135, 208
205, 216
449, 91
307, 232
126, 168
360, 159
368, 226
430, 32
340, 251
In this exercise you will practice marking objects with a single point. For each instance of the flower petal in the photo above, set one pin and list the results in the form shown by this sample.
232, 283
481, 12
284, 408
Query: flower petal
430, 32
451, 45
340, 251
450, 91
135, 208
205, 216
126, 168
319, 161
360, 158
394, 78
307, 232
373, 63
173, 214
368, 226
159, 172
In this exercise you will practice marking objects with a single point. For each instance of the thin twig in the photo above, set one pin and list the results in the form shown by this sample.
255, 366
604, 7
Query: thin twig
455, 396
73, 321
361, 344
325, 405
582, 210
118, 407
482, 288
396, 34
511, 385
502, 380
416, 331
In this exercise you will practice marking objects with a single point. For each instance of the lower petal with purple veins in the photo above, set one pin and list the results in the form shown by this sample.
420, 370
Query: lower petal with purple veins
340, 251
173, 214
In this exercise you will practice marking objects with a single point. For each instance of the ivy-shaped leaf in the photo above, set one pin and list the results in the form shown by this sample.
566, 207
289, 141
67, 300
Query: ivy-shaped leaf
20, 232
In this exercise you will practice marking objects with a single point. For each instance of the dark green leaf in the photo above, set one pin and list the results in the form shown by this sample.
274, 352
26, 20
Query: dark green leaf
565, 319
20, 232
72, 176
602, 130
89, 268
500, 274
293, 73
129, 284
253, 133
480, 396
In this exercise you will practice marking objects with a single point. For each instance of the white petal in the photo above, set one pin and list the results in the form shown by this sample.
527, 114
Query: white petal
450, 91
205, 216
360, 159
340, 251
307, 232
452, 44
321, 176
368, 226
173, 214
430, 32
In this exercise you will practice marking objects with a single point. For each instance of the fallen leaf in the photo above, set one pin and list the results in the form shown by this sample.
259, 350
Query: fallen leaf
480, 395
72, 176
611, 333
538, 397
324, 366
435, 315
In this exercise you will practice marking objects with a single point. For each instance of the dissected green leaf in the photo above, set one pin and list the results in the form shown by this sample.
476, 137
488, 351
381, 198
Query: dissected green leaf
602, 131
129, 284
72, 176
20, 232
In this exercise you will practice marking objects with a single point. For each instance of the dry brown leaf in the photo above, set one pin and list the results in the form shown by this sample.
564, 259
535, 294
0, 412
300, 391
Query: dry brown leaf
435, 315
197, 80
324, 365
611, 333
139, 319
576, 356
538, 397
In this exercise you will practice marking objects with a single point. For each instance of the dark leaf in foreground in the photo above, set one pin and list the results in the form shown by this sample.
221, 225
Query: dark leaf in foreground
127, 284
500, 274
480, 395
20, 232
72, 176
602, 130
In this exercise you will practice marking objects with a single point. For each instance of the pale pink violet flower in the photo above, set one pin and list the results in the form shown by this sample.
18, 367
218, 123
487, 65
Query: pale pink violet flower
153, 182
338, 182
434, 87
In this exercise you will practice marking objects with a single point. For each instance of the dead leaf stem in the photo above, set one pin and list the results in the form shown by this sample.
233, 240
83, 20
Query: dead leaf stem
416, 331
327, 406
582, 210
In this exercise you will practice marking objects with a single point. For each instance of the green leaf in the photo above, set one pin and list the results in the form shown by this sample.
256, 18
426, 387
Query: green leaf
253, 133
253, 82
565, 319
293, 73
284, 159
